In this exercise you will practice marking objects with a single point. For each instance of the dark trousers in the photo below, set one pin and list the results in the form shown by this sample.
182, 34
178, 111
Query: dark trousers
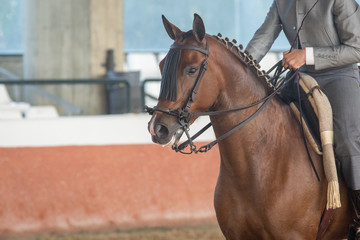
342, 89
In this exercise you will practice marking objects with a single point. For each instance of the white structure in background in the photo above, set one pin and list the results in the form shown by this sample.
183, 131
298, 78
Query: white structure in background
19, 110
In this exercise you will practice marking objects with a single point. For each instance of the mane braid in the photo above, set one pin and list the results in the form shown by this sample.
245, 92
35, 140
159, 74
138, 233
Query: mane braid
246, 58
168, 88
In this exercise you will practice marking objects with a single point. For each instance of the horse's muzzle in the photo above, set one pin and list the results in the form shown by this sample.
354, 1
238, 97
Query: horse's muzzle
164, 134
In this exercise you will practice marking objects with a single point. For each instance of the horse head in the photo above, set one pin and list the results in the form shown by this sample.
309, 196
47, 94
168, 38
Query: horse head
183, 75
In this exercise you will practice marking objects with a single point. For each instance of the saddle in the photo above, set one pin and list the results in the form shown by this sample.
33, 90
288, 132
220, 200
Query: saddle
313, 111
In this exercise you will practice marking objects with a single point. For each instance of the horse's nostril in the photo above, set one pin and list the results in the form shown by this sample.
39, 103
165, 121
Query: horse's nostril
161, 131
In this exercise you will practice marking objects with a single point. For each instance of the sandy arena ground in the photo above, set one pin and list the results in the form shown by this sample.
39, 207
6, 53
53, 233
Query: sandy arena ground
186, 233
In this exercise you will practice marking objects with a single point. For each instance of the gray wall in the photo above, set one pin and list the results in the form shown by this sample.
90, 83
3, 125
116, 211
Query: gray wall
67, 39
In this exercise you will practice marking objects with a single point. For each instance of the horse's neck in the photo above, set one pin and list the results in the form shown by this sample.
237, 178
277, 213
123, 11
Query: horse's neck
264, 144
266, 130
240, 87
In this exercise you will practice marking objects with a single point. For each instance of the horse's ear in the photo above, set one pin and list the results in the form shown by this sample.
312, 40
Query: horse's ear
198, 28
171, 29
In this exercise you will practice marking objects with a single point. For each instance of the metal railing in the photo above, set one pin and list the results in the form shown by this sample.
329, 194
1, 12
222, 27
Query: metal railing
69, 107
144, 94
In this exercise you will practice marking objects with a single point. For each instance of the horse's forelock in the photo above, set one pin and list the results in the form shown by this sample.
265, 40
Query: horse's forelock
168, 88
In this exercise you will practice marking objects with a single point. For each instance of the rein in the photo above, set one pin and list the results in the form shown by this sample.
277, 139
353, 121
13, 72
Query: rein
183, 115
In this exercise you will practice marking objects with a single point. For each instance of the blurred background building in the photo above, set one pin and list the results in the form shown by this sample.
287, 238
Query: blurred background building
68, 40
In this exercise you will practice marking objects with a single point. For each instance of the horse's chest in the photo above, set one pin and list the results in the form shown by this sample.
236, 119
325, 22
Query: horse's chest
243, 214
237, 215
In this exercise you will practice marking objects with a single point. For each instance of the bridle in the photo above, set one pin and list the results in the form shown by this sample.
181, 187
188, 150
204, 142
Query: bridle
183, 115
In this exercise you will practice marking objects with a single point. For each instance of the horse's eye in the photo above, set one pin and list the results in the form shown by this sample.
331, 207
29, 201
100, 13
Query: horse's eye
192, 70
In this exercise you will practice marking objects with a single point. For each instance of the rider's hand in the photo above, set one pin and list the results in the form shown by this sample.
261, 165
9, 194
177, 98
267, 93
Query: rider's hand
294, 59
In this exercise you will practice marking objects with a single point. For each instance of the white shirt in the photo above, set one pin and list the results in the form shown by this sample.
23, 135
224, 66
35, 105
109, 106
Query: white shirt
310, 60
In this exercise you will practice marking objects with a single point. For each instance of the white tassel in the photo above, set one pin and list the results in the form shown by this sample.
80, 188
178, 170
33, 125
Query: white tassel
333, 195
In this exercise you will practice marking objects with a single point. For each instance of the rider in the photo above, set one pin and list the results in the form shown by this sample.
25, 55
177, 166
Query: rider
327, 48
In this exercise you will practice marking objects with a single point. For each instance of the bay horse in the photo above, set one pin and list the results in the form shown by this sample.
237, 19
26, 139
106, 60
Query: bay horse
266, 188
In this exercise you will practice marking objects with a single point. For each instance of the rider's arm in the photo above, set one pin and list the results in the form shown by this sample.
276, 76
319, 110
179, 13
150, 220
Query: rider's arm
347, 22
265, 36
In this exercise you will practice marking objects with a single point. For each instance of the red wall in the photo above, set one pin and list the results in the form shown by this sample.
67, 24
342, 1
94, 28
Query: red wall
75, 188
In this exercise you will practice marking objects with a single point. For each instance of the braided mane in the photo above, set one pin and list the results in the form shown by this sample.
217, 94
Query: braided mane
245, 57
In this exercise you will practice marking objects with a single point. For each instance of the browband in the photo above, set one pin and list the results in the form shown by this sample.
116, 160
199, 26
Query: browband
190, 47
